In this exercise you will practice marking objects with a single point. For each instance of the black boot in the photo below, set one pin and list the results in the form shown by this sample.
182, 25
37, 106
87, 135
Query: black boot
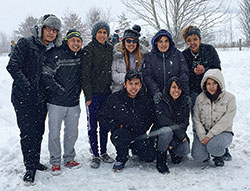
227, 156
41, 167
218, 161
161, 162
29, 176
175, 158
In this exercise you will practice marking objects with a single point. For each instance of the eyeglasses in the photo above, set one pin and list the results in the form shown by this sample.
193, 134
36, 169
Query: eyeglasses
49, 29
133, 41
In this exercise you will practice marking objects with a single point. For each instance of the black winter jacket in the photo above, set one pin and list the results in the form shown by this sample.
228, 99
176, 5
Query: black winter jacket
25, 67
61, 76
208, 57
159, 67
135, 115
173, 113
96, 69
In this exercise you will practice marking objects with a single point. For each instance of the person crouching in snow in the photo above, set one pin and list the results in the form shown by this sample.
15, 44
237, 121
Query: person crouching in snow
172, 119
129, 115
62, 79
214, 112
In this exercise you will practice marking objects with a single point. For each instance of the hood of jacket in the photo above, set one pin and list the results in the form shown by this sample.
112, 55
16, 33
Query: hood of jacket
159, 34
216, 75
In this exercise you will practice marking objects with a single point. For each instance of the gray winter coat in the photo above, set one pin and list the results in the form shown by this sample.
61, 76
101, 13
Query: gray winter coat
119, 67
213, 118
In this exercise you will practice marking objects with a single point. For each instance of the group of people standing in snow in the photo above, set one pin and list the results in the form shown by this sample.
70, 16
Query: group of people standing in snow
144, 98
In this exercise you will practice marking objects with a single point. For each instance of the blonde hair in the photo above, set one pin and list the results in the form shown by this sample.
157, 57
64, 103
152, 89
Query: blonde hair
137, 53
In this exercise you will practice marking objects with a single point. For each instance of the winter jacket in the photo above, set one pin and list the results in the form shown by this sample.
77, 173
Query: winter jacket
159, 67
96, 69
25, 67
208, 57
62, 76
173, 113
135, 115
119, 67
213, 118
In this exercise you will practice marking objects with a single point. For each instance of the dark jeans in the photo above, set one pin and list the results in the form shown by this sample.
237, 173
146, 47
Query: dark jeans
123, 141
92, 111
31, 122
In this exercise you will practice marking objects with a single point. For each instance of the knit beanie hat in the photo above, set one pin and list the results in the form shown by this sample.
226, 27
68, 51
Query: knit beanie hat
73, 33
132, 33
192, 31
100, 25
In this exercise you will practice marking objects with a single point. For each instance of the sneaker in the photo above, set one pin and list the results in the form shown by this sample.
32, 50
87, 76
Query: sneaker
73, 164
227, 156
29, 177
106, 158
41, 167
56, 170
118, 166
218, 161
95, 162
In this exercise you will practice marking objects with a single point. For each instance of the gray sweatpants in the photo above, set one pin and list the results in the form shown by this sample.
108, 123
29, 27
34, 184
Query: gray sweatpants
215, 147
70, 116
165, 137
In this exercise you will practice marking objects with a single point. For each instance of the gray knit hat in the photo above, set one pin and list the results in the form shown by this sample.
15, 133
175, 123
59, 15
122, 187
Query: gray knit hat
100, 25
52, 21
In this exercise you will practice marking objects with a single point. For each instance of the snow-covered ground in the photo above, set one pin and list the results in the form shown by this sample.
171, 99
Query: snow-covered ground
190, 176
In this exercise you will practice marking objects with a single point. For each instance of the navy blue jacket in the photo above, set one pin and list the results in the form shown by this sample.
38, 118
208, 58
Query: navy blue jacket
173, 113
208, 57
135, 115
61, 76
159, 67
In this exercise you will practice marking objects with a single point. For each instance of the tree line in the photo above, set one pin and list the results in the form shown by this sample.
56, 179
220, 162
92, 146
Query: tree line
173, 15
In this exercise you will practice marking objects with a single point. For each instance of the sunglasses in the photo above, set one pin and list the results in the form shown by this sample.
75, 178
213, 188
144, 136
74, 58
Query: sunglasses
133, 41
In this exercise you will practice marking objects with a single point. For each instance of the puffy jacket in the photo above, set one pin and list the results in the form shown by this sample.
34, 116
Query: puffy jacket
208, 57
62, 76
119, 67
159, 67
25, 67
96, 69
135, 115
213, 118
173, 113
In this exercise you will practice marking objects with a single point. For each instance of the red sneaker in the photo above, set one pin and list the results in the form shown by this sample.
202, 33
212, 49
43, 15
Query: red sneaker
56, 170
73, 164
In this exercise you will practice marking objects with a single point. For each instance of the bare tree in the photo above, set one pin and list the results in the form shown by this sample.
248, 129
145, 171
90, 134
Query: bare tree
25, 27
123, 22
174, 15
244, 19
72, 21
4, 44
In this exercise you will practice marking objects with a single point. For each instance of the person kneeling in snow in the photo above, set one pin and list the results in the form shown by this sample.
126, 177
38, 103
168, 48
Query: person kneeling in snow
128, 113
214, 112
62, 79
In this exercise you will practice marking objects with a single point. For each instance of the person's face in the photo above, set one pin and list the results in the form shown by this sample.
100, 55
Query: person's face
130, 44
175, 91
49, 35
74, 44
193, 41
101, 36
211, 86
163, 44
133, 86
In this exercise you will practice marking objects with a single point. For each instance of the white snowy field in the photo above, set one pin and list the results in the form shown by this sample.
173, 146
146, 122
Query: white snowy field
188, 176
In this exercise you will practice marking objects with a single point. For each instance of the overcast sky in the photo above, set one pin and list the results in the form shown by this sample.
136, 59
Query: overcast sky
13, 12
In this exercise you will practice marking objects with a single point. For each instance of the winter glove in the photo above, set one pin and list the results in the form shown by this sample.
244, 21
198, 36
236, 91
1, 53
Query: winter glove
157, 97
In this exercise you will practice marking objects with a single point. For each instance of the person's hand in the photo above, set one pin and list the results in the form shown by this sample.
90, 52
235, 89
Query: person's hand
205, 140
199, 69
121, 126
88, 102
185, 139
157, 97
